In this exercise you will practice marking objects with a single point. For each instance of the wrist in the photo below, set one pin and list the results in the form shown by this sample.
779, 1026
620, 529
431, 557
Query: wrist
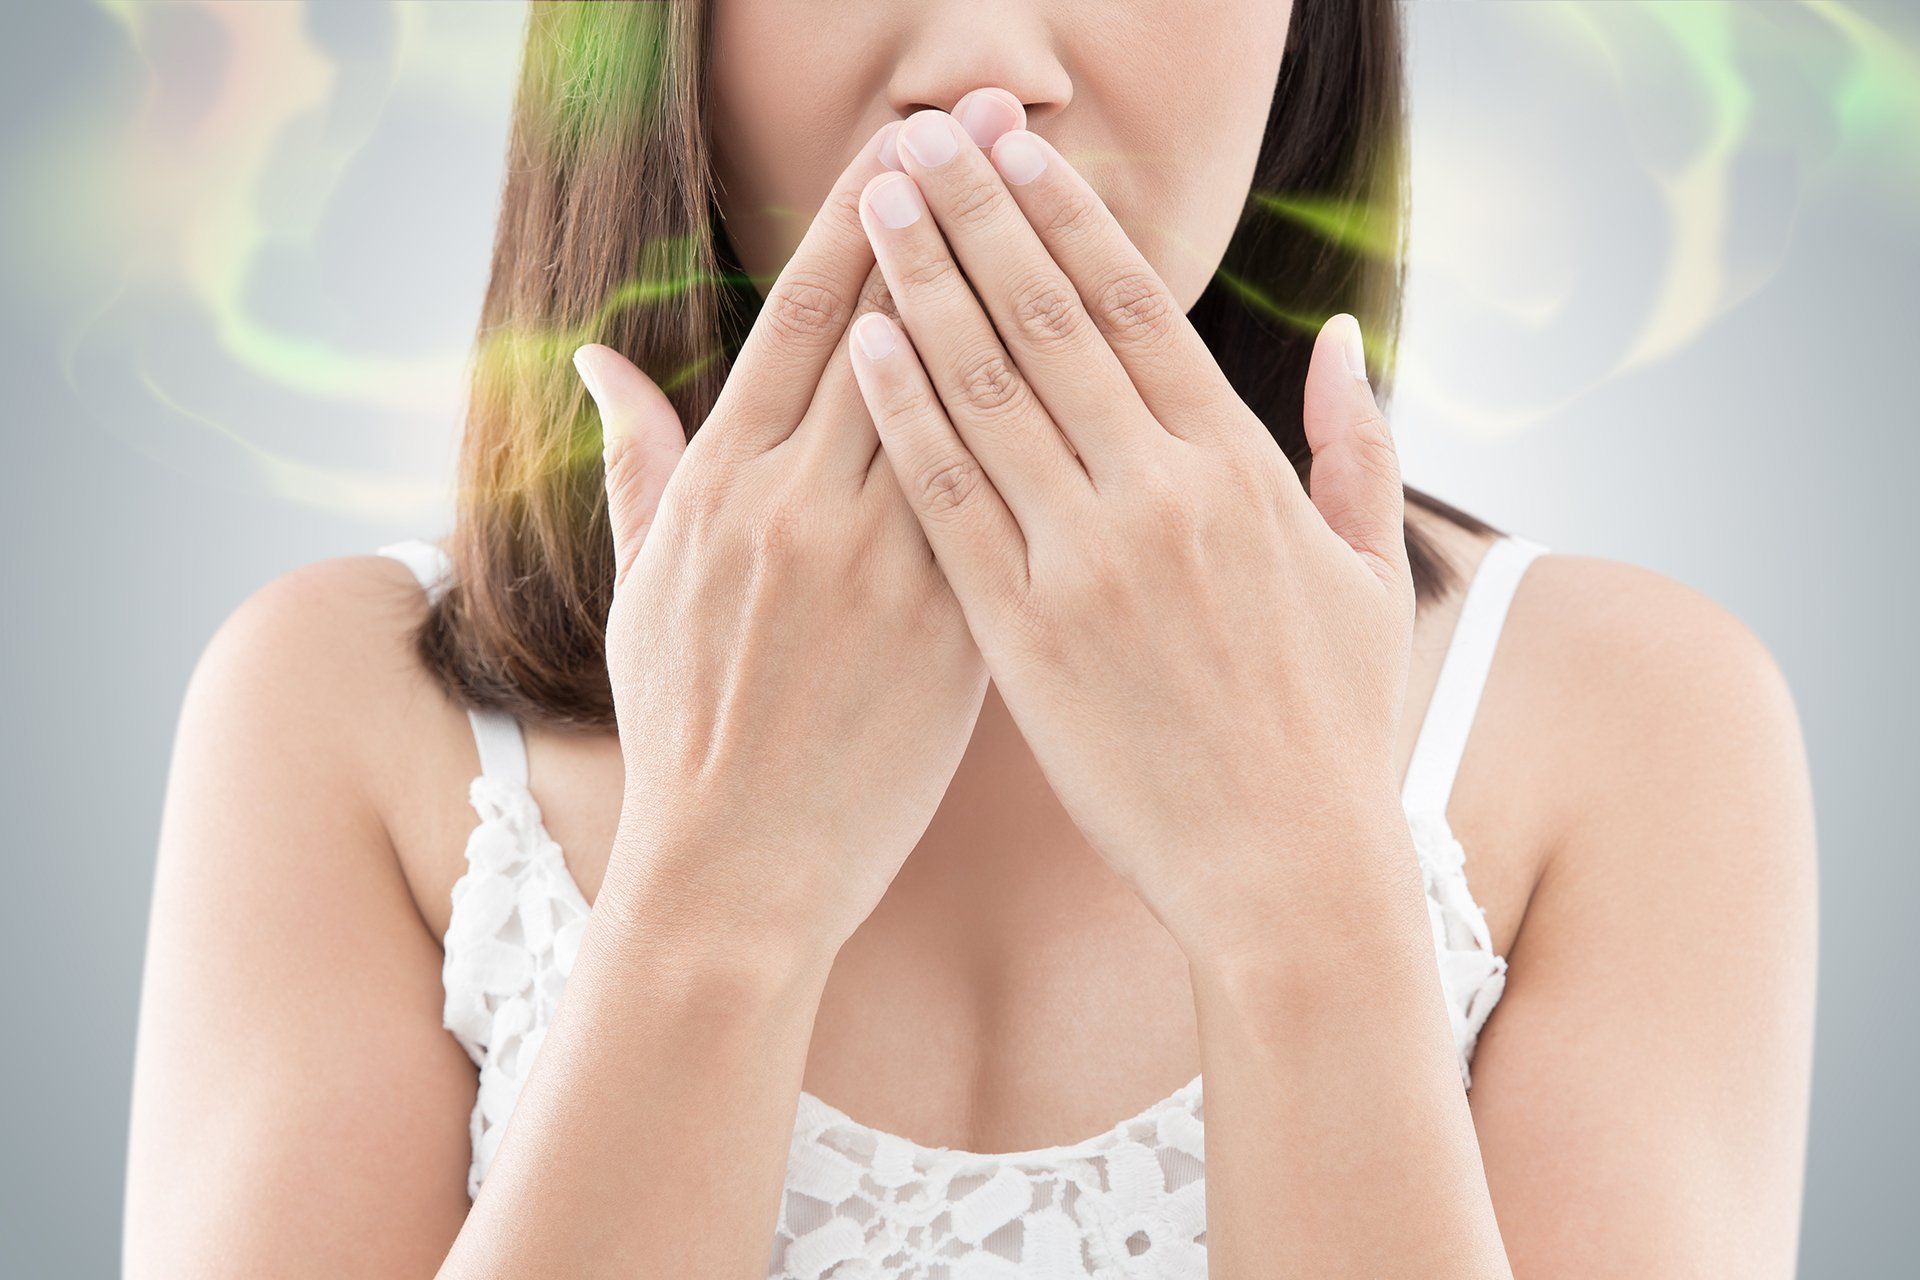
670, 899
1336, 884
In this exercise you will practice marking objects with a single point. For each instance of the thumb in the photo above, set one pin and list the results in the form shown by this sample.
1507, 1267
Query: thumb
1355, 478
643, 444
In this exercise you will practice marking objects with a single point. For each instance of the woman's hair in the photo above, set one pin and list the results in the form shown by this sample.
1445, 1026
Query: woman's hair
609, 232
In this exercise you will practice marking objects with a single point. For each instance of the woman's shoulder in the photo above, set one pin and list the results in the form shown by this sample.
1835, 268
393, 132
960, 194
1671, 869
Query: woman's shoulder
321, 661
1613, 636
1647, 699
1610, 611
1636, 643
1630, 723
328, 643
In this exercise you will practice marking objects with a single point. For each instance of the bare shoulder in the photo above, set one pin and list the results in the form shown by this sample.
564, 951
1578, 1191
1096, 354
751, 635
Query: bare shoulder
324, 650
290, 989
1614, 612
1625, 715
1652, 663
1661, 993
351, 616
1671, 724
318, 666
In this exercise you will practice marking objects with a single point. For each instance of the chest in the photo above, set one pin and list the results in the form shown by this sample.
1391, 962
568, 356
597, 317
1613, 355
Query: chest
1009, 993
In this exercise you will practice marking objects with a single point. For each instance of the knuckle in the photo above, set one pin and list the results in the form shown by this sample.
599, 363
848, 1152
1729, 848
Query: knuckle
774, 532
806, 309
1136, 308
698, 493
1372, 452
1382, 466
931, 274
875, 296
699, 517
988, 384
906, 402
1253, 466
974, 199
1046, 311
1102, 580
843, 206
949, 486
1172, 515
1371, 431
1069, 218
623, 472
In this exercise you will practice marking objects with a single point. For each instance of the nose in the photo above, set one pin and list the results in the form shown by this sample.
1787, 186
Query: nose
948, 49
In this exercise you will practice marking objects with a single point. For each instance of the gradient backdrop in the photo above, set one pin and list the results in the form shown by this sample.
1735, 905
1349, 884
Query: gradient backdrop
1661, 309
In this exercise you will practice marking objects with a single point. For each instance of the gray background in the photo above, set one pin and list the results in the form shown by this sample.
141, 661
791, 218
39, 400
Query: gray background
1661, 309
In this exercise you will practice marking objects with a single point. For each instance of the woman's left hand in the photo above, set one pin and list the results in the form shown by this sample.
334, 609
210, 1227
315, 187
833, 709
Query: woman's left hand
1208, 664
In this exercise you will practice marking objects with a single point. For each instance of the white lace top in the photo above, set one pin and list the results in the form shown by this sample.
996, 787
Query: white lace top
861, 1204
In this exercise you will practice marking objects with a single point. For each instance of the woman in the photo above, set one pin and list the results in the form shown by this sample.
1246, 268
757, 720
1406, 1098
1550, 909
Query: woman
968, 729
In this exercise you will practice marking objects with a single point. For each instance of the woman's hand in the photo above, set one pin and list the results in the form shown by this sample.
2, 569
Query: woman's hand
1208, 664
793, 679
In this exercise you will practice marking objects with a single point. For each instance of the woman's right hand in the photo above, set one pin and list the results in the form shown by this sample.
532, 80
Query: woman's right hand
793, 680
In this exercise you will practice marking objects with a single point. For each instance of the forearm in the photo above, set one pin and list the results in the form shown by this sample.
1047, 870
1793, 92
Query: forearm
652, 1135
1339, 1141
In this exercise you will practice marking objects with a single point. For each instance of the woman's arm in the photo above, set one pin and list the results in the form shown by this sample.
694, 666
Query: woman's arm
1641, 1093
1640, 1096
1209, 663
1209, 660
1339, 1141
297, 1108
652, 1136
794, 686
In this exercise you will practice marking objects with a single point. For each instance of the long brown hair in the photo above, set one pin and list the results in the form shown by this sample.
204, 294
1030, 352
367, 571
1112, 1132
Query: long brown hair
609, 233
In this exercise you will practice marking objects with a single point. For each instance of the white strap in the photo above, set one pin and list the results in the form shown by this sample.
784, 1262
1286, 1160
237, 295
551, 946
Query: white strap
503, 751
1463, 674
503, 748
431, 566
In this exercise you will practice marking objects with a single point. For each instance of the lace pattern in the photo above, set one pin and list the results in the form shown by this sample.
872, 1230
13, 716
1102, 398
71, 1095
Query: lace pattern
862, 1204
1471, 973
515, 930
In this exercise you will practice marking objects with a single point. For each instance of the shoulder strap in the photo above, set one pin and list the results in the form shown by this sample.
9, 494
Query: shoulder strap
1463, 674
503, 749
431, 565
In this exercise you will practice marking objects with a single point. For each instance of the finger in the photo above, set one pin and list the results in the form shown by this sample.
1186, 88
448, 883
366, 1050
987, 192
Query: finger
1029, 298
1143, 323
989, 402
974, 536
837, 437
803, 318
644, 442
1355, 478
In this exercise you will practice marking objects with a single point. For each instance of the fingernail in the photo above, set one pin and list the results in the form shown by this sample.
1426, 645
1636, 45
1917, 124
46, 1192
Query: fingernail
874, 333
1019, 158
987, 113
583, 365
896, 201
890, 146
611, 424
929, 135
1355, 348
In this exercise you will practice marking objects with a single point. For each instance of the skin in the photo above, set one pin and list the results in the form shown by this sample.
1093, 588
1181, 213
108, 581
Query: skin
1047, 937
798, 83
